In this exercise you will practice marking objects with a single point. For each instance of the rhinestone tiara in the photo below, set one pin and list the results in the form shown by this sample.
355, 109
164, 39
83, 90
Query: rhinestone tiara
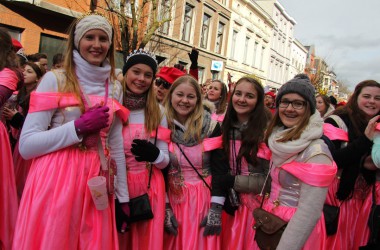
141, 52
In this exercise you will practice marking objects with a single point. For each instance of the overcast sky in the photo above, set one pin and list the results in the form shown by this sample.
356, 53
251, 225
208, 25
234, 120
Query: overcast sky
346, 33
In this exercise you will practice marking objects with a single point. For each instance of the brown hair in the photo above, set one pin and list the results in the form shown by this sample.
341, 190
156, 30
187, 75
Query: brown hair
326, 101
222, 106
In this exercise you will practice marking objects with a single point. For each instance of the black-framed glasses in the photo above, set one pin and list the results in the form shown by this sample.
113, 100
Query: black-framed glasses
296, 104
164, 83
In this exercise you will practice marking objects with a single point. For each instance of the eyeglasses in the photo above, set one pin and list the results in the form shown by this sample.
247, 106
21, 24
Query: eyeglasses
164, 83
296, 104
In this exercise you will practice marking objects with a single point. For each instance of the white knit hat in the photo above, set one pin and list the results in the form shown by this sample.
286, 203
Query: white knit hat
91, 22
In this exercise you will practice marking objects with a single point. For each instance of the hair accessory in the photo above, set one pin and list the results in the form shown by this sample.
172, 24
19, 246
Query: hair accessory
89, 22
140, 56
301, 85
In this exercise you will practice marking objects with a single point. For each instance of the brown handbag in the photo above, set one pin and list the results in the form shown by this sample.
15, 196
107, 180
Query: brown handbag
269, 227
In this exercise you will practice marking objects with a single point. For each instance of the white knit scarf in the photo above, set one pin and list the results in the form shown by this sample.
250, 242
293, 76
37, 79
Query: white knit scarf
287, 151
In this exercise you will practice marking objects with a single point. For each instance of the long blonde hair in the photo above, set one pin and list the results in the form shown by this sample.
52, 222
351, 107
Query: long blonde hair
72, 84
195, 119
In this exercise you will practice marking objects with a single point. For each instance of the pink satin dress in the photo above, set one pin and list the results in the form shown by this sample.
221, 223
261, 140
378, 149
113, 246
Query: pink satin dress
237, 230
147, 234
190, 200
8, 194
56, 209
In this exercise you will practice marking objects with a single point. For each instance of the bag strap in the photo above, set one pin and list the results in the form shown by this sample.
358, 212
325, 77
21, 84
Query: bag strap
265, 183
151, 167
200, 176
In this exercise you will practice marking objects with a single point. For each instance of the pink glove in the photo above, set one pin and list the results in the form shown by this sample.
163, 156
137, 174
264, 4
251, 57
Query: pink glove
92, 121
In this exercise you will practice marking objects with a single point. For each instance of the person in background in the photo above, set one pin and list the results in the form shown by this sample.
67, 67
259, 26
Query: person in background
301, 166
324, 106
58, 60
16, 116
73, 115
193, 211
10, 80
193, 56
164, 80
333, 101
269, 101
217, 94
146, 138
40, 59
351, 189
244, 162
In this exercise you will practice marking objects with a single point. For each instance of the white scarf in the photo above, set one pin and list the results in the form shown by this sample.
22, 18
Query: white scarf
287, 151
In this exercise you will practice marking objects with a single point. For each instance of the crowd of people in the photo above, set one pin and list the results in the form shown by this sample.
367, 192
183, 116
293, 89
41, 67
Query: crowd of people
208, 157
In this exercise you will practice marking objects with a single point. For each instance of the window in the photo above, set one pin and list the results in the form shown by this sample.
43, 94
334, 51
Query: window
187, 20
219, 38
51, 45
201, 72
246, 44
165, 13
254, 54
233, 43
205, 30
262, 57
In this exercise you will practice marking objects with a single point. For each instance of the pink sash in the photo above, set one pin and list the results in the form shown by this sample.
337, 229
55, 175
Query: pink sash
208, 144
42, 101
334, 133
163, 134
264, 152
314, 174
9, 79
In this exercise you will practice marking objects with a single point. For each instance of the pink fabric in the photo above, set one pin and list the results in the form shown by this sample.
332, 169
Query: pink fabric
378, 126
190, 205
9, 79
163, 134
212, 143
8, 194
319, 175
218, 118
264, 152
145, 234
334, 133
362, 231
21, 168
57, 211
52, 100
348, 218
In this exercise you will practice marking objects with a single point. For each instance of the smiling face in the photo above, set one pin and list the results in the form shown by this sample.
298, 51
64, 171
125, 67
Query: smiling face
94, 46
139, 77
214, 91
184, 100
290, 116
369, 101
244, 100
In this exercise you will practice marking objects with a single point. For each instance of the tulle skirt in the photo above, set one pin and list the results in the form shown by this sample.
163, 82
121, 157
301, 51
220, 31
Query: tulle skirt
8, 194
189, 212
146, 234
57, 210
237, 231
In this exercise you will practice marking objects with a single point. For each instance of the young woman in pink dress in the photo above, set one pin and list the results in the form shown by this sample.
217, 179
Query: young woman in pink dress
146, 138
10, 80
68, 114
16, 117
352, 187
247, 158
301, 166
193, 212
217, 94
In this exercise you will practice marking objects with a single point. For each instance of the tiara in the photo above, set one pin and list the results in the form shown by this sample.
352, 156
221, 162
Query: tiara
90, 13
141, 52
20, 52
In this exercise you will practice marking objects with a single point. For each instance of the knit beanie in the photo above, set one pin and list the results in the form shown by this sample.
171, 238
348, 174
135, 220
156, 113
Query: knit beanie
91, 22
170, 74
140, 56
301, 85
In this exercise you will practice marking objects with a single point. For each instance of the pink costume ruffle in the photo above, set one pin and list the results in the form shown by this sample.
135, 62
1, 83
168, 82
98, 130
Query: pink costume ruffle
218, 118
237, 230
8, 193
144, 234
190, 203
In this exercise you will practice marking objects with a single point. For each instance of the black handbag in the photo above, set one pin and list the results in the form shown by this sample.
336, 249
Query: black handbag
140, 209
331, 215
